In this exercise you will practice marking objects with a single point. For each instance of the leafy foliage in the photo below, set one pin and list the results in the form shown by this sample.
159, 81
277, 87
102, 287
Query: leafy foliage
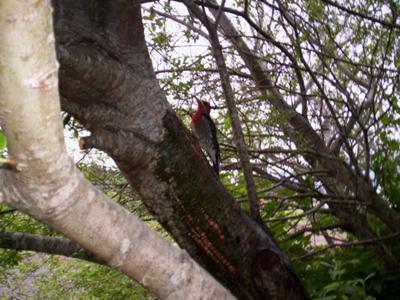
3, 141
39, 277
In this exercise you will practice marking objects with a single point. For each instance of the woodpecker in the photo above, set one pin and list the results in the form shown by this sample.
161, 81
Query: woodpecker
206, 132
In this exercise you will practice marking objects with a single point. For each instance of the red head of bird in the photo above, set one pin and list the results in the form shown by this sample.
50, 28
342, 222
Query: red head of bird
204, 107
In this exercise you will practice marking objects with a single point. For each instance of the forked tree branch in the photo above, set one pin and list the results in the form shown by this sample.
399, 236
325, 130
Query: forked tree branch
50, 188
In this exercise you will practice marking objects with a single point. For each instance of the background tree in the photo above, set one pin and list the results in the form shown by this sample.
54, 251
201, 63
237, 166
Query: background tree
306, 102
304, 81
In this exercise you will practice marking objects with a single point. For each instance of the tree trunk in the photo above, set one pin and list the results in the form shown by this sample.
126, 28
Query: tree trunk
107, 82
46, 183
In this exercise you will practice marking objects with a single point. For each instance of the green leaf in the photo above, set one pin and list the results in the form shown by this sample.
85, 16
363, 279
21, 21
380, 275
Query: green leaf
393, 145
316, 9
3, 141
386, 119
150, 16
333, 286
227, 123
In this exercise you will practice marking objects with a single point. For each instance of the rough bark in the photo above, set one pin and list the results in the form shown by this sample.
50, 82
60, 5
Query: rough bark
108, 83
47, 185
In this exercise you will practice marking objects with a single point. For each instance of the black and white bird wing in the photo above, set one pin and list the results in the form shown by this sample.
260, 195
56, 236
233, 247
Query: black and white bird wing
207, 134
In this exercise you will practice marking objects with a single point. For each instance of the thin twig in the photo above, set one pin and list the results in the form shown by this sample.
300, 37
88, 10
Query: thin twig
349, 244
232, 109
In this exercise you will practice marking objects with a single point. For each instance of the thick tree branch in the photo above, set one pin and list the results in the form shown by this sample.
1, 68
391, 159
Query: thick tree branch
172, 177
50, 188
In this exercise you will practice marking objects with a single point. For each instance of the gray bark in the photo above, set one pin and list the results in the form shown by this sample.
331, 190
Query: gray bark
107, 82
49, 187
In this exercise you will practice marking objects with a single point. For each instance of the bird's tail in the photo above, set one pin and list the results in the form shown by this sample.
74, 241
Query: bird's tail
216, 168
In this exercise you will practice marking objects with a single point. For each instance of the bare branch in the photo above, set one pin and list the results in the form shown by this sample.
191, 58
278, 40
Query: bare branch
349, 244
46, 244
233, 112
361, 15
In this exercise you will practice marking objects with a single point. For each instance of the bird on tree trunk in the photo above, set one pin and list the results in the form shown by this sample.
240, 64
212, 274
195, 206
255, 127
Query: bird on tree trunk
206, 132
